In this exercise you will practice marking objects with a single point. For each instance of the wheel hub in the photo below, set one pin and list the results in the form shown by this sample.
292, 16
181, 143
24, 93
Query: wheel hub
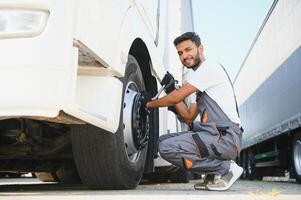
140, 123
135, 119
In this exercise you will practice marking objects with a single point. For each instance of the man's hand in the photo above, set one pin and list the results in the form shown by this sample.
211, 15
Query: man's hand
169, 82
145, 97
167, 79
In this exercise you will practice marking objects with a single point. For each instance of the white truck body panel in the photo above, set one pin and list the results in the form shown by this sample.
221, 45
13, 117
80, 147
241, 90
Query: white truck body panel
268, 84
279, 38
43, 80
38, 73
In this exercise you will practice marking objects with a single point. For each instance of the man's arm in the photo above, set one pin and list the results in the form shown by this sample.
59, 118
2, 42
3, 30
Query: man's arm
187, 114
175, 98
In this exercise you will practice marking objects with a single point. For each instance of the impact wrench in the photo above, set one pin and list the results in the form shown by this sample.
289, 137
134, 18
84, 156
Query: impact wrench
163, 87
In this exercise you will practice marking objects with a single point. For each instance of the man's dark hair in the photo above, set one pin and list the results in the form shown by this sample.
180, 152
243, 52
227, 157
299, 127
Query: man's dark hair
188, 36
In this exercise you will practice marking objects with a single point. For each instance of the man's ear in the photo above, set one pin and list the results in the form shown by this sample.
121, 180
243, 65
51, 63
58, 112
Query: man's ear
201, 48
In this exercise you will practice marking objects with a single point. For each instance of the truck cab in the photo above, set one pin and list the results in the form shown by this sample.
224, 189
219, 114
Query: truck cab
71, 78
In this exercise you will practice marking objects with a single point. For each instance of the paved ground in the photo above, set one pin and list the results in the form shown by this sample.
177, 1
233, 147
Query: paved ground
32, 189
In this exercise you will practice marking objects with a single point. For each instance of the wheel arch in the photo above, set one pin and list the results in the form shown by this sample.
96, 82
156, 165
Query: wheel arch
141, 53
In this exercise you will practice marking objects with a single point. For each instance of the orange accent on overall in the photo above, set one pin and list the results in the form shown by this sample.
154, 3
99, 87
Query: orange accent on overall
205, 118
188, 164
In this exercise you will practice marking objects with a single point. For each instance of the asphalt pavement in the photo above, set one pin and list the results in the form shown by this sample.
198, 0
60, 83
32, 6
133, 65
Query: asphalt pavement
32, 189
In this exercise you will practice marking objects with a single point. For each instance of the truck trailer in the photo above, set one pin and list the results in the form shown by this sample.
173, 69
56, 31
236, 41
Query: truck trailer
268, 89
71, 73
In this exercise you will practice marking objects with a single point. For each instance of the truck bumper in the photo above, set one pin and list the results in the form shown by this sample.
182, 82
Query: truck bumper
44, 91
33, 91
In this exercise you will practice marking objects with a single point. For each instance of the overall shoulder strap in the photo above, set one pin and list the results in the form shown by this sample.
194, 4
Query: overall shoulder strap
232, 89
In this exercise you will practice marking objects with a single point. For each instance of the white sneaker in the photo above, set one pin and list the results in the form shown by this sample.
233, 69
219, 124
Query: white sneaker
226, 181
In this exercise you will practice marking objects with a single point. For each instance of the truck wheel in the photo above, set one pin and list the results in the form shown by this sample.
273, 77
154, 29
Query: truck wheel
297, 156
244, 164
252, 172
116, 161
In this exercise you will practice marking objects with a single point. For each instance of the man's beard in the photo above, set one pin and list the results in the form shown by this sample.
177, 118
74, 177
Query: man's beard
197, 60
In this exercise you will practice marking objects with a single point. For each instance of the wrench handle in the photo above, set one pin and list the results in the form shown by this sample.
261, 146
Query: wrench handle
160, 91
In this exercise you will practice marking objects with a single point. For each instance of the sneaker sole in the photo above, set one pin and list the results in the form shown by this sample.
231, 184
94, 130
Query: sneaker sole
240, 170
200, 188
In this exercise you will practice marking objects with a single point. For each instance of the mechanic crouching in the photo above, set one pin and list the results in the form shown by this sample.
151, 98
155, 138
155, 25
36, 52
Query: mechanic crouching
215, 140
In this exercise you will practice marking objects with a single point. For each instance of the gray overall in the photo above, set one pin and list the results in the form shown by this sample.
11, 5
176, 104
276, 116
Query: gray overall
210, 146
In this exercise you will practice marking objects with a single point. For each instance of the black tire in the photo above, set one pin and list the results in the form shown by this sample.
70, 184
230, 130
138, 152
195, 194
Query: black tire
101, 158
180, 176
250, 165
296, 155
252, 172
244, 164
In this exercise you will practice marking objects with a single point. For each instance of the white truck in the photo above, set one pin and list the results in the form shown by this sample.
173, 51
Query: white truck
71, 72
268, 89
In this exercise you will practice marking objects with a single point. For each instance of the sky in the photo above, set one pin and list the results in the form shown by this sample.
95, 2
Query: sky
227, 28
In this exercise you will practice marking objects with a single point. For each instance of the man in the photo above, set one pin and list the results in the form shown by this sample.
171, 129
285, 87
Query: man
214, 140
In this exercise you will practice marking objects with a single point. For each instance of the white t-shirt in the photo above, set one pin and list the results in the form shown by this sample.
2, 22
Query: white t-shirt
211, 78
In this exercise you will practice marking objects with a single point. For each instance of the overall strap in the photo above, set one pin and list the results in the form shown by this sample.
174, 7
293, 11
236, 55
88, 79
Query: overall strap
232, 89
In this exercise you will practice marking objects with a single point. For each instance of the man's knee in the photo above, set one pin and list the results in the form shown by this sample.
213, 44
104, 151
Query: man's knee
164, 137
165, 149
168, 152
161, 138
162, 147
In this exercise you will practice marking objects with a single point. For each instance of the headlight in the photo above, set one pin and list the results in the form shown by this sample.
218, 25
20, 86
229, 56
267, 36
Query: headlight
22, 22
